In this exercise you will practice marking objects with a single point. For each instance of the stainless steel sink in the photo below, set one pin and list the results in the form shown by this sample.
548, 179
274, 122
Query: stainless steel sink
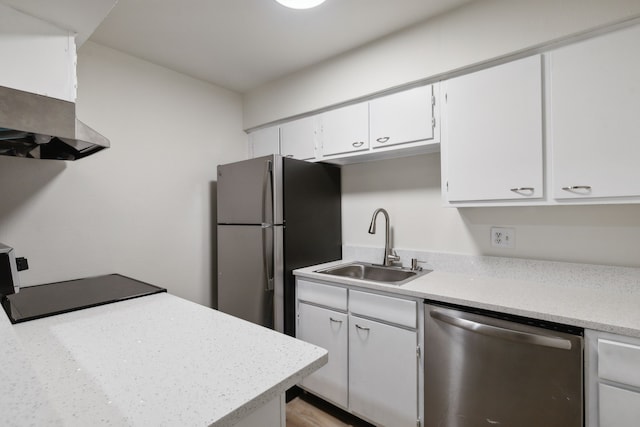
375, 273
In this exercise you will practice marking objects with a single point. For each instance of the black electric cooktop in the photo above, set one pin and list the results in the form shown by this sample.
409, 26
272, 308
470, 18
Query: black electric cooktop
34, 302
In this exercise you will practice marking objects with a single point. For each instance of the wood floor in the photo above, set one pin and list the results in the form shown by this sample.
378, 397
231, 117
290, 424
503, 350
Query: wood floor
307, 410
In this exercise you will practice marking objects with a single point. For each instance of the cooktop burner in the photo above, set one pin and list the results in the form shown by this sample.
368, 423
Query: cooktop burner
34, 302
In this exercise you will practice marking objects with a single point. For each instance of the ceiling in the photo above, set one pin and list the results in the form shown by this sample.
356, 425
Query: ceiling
241, 44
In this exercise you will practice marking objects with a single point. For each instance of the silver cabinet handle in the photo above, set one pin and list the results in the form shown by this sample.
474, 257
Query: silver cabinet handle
383, 139
498, 332
289, 155
358, 144
361, 327
520, 189
335, 320
577, 187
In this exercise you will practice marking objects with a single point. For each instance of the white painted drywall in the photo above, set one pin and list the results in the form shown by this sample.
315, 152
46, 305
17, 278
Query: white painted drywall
37, 56
409, 189
474, 33
144, 207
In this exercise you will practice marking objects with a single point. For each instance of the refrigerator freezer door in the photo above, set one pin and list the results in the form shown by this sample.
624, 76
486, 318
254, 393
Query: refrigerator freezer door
247, 190
246, 272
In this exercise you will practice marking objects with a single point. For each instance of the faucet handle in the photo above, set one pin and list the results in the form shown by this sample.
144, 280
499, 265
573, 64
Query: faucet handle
392, 256
414, 264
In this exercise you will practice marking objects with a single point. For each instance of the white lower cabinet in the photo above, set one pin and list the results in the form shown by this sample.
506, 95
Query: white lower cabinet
613, 380
327, 329
373, 342
383, 372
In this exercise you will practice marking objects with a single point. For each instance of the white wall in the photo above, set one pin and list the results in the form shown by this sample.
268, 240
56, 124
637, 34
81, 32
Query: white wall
409, 189
472, 34
142, 208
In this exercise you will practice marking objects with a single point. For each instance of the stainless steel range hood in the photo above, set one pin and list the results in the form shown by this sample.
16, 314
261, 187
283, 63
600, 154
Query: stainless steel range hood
40, 127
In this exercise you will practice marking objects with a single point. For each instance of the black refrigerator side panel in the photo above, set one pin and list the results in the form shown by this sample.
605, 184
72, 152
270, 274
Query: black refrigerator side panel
313, 223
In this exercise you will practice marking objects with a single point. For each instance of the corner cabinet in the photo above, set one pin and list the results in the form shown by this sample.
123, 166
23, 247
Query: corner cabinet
594, 108
322, 320
492, 146
298, 138
613, 380
374, 343
263, 142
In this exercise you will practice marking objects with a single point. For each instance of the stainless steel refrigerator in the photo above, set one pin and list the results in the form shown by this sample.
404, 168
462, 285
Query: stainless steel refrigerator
275, 214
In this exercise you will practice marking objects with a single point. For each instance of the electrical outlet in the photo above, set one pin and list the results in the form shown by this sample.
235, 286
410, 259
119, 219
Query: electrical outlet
502, 237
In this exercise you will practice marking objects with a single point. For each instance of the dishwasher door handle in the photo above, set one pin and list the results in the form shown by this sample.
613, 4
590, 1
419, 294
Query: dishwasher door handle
498, 332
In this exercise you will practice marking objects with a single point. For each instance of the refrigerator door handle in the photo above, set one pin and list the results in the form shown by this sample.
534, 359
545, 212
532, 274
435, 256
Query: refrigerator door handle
267, 190
267, 256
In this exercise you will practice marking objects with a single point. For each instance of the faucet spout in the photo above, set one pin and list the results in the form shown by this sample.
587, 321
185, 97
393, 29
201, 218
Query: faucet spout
389, 256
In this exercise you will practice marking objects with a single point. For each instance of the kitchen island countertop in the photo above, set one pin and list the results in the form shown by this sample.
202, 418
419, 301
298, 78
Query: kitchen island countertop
156, 360
603, 309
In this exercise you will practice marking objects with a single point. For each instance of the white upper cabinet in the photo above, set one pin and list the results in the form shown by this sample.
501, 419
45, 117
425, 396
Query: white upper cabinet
492, 144
402, 117
594, 112
298, 139
265, 141
345, 130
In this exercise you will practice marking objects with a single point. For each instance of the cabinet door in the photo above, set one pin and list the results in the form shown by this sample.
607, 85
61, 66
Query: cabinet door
327, 329
618, 407
402, 117
264, 142
492, 141
383, 373
595, 105
345, 130
298, 138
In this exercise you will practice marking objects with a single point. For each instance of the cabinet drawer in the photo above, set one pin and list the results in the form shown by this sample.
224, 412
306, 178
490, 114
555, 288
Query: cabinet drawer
619, 362
326, 295
618, 407
394, 310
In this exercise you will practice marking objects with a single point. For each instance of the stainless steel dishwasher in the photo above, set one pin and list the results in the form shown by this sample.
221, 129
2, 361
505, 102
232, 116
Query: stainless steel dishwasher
487, 369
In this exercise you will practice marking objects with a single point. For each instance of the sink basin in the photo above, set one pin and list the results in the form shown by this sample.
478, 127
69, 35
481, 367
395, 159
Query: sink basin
375, 273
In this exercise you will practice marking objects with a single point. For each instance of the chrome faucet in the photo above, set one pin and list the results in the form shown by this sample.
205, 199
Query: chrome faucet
389, 256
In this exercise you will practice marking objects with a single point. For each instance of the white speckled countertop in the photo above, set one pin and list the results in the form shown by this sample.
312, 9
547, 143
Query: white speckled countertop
157, 360
611, 308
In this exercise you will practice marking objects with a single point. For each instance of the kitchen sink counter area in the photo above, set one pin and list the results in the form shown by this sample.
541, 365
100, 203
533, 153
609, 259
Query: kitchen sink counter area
609, 308
155, 360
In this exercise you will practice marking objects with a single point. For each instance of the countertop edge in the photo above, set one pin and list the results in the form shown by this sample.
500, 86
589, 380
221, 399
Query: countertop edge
262, 399
554, 311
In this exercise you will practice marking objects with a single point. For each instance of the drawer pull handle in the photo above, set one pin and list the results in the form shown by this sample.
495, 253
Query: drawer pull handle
362, 328
289, 155
335, 320
383, 139
577, 187
358, 144
521, 189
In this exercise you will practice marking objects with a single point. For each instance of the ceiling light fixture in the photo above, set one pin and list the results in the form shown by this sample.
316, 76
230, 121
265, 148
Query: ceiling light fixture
300, 4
